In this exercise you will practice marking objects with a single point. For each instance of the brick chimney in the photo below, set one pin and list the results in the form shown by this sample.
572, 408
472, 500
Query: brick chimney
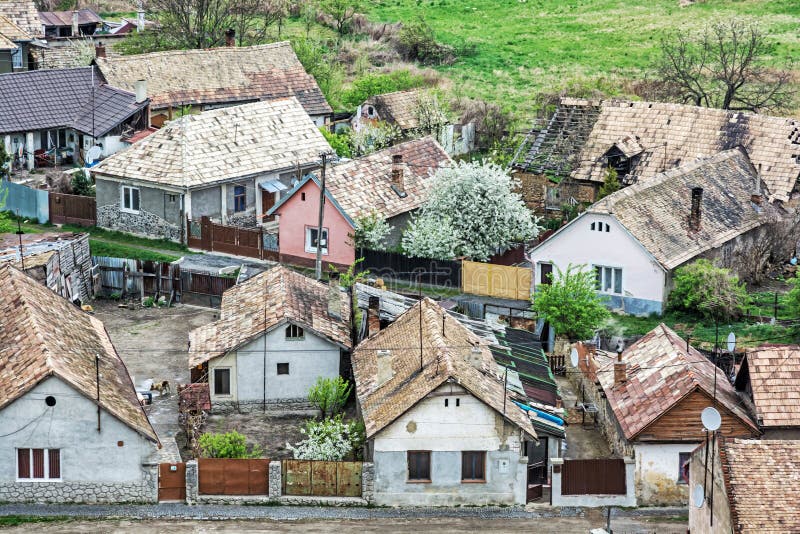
373, 316
696, 210
398, 179
620, 368
100, 50
334, 296
230, 37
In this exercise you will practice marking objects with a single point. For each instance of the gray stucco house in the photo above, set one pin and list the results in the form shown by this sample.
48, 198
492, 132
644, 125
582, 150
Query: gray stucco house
72, 426
229, 164
278, 333
441, 429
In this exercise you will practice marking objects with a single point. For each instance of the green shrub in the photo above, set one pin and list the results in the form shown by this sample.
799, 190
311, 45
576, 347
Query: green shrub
82, 185
369, 85
148, 302
227, 445
417, 42
340, 143
707, 291
610, 183
793, 296
330, 395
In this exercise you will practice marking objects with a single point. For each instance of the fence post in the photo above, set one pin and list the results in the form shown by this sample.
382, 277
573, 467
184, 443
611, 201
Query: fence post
555, 485
191, 482
275, 482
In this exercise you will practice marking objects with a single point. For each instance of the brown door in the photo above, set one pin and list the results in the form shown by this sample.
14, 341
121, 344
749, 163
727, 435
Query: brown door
172, 482
267, 201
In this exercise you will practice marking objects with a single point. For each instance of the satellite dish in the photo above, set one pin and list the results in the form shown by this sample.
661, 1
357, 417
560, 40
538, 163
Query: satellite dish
731, 342
573, 357
698, 496
711, 418
93, 154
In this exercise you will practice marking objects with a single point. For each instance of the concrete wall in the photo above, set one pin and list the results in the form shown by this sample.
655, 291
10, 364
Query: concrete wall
399, 224
643, 279
94, 466
158, 217
446, 431
297, 214
593, 501
206, 202
699, 474
657, 474
25, 201
308, 359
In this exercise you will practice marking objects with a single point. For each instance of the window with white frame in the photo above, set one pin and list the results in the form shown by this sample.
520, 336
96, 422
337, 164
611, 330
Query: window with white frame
130, 199
38, 464
312, 239
608, 279
222, 381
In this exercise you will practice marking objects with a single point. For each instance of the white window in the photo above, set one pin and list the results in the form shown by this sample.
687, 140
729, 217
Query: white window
130, 199
38, 464
609, 279
311, 240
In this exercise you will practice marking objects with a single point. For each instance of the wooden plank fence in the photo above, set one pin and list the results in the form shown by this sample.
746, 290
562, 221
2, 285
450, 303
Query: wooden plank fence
251, 242
228, 476
321, 479
499, 281
603, 476
72, 209
128, 277
395, 266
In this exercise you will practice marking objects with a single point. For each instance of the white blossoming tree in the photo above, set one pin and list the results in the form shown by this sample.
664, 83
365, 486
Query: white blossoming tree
329, 439
371, 231
370, 138
472, 211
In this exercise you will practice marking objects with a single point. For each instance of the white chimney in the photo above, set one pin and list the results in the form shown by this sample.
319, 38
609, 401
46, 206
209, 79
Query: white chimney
75, 28
140, 17
140, 88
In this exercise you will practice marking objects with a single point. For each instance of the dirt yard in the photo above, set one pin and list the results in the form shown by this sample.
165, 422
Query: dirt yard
153, 344
271, 433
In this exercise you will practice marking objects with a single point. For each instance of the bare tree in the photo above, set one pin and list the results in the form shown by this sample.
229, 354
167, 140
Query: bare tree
195, 23
771, 245
342, 12
724, 66
253, 18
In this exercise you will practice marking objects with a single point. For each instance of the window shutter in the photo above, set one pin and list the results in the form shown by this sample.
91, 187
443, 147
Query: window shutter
24, 463
55, 463
38, 463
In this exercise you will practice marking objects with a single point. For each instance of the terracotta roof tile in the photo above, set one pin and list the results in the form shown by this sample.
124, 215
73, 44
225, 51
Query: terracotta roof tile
398, 108
263, 302
774, 373
661, 372
23, 13
12, 31
43, 335
218, 75
762, 480
447, 354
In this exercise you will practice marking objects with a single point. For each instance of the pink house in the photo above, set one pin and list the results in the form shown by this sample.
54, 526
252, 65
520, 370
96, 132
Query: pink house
392, 183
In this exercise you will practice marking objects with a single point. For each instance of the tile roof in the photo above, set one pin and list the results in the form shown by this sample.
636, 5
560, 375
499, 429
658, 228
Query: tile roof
218, 75
43, 335
222, 144
5, 44
661, 372
762, 480
774, 376
398, 108
72, 53
656, 211
12, 31
23, 13
58, 98
64, 18
581, 132
447, 346
263, 302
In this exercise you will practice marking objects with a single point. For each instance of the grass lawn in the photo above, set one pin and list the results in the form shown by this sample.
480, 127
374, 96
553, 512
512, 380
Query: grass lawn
16, 520
529, 46
116, 250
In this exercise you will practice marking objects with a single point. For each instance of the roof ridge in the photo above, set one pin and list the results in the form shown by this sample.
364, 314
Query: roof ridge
194, 51
23, 295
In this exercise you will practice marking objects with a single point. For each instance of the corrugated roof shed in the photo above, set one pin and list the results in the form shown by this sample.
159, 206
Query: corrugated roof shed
64, 18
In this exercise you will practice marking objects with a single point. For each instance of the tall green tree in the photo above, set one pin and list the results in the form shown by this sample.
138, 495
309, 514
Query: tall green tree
342, 12
570, 303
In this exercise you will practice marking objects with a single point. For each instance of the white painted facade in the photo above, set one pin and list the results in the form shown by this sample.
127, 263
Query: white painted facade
108, 465
600, 240
464, 424
657, 470
254, 367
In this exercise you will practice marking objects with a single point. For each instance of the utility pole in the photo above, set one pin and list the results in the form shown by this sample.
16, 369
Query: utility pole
324, 156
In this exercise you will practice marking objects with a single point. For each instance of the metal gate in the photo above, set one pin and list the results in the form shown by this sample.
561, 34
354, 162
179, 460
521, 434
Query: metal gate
72, 209
229, 476
172, 482
321, 479
250, 242
593, 477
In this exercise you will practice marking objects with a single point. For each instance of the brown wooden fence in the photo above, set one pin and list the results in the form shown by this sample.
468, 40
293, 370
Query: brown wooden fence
250, 242
593, 477
227, 476
72, 209
172, 482
321, 479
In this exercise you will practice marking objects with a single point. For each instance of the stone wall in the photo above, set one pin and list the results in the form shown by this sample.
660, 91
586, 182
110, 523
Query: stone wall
368, 482
275, 481
85, 492
243, 219
143, 223
281, 406
192, 482
533, 188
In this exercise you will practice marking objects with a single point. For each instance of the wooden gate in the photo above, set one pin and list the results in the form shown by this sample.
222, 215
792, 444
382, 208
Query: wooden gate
321, 479
208, 235
172, 482
593, 477
72, 209
228, 476
498, 281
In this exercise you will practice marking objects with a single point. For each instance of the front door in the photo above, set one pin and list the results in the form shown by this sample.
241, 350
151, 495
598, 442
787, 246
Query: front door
267, 201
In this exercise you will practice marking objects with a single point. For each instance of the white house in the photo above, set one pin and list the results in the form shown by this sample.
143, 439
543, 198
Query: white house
72, 427
278, 333
635, 238
441, 430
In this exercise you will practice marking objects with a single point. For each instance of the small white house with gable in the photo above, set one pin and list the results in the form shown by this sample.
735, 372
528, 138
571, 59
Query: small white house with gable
277, 334
440, 428
635, 238
71, 426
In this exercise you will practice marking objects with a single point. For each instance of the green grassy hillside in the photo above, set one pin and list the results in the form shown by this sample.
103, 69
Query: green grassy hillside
529, 46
